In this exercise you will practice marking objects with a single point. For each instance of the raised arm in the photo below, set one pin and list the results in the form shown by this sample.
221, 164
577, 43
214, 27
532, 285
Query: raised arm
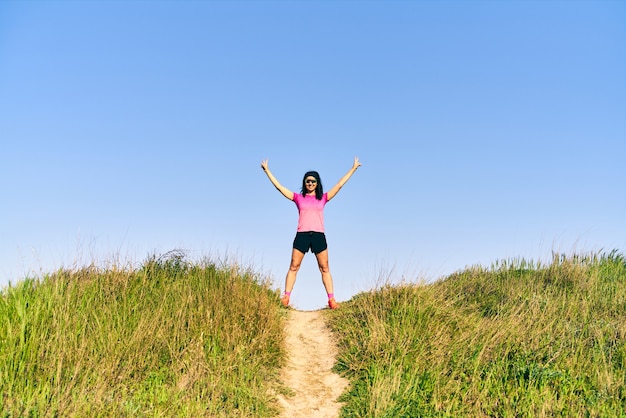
344, 179
285, 191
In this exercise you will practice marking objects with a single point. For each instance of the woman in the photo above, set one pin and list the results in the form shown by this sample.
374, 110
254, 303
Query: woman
310, 234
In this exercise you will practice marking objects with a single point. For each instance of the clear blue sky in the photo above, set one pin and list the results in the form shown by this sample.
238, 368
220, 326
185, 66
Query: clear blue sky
487, 130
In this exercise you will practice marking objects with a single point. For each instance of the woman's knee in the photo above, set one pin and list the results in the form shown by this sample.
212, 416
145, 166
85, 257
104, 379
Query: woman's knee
322, 261
324, 268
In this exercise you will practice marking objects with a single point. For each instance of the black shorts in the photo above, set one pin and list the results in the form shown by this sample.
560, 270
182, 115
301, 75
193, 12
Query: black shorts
315, 241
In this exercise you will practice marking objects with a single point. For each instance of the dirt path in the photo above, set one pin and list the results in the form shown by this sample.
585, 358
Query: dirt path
308, 371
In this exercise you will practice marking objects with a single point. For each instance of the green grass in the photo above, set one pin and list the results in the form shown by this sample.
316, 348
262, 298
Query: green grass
519, 339
168, 339
174, 338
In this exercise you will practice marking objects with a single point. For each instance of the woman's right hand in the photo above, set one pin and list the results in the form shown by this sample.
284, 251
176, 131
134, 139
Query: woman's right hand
283, 190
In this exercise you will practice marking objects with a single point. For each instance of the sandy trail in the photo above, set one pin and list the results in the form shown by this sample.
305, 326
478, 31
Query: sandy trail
308, 370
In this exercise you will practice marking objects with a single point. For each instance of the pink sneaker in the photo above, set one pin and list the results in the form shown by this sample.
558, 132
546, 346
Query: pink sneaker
285, 301
332, 303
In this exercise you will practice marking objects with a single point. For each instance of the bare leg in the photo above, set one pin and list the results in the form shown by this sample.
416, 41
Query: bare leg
294, 266
327, 278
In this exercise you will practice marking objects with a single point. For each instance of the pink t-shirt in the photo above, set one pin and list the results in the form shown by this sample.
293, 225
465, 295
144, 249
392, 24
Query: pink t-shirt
311, 212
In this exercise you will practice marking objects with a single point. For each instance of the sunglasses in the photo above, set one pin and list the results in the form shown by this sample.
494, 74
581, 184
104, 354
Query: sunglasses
311, 182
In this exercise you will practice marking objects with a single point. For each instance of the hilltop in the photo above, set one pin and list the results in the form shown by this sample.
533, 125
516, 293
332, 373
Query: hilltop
180, 338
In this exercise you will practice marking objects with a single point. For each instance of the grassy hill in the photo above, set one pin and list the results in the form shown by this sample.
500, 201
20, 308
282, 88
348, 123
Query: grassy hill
169, 339
174, 338
518, 339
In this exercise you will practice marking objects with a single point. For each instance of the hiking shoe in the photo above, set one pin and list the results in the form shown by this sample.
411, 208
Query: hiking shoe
285, 301
332, 303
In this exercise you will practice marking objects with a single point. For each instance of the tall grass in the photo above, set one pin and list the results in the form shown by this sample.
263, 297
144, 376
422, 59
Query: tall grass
170, 338
517, 339
174, 338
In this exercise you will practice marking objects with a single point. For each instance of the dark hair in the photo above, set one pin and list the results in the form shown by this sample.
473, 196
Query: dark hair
319, 190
